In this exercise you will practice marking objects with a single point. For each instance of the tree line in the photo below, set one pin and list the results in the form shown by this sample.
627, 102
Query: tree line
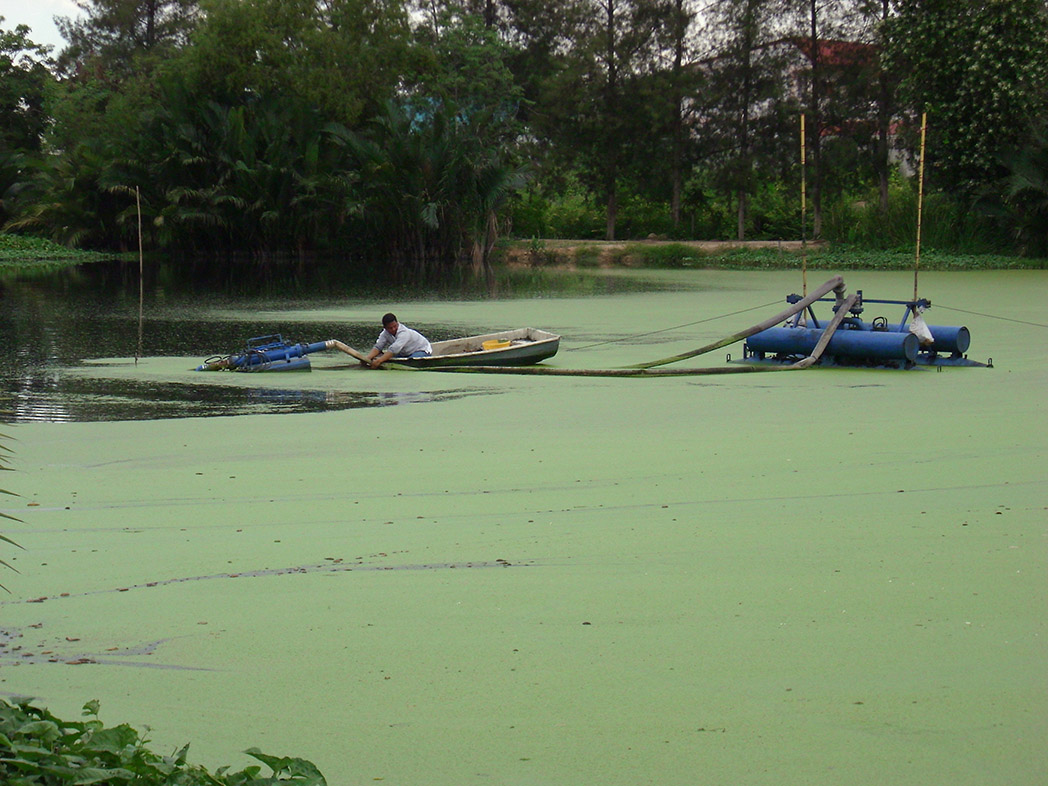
419, 131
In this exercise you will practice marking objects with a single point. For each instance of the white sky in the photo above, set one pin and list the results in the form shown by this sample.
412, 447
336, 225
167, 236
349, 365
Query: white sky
37, 15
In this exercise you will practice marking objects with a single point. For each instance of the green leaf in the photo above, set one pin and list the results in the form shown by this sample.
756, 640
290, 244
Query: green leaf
113, 740
108, 775
44, 730
299, 770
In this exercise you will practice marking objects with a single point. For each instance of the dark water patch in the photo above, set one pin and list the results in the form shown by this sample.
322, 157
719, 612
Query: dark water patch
77, 399
331, 565
16, 650
52, 324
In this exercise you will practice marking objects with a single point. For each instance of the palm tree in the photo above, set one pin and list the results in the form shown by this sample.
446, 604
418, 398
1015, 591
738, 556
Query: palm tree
1026, 194
64, 200
260, 177
429, 189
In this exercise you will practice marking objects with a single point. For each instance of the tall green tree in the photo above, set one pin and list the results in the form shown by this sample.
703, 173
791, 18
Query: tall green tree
681, 82
24, 79
463, 63
68, 200
258, 177
979, 69
1020, 201
602, 94
112, 34
111, 67
747, 70
345, 57
24, 83
839, 86
873, 16
428, 188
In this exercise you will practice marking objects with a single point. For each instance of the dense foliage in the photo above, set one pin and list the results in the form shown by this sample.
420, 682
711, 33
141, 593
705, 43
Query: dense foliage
39, 749
418, 132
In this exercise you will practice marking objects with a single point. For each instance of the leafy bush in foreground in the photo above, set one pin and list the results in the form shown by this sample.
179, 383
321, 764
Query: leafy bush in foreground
38, 749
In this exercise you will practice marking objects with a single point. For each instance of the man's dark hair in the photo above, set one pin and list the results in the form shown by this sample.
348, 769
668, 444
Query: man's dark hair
388, 318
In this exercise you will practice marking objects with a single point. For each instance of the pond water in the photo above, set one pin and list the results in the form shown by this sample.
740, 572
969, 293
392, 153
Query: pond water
750, 579
54, 324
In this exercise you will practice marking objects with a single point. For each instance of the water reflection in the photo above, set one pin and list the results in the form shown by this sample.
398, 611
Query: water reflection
72, 399
53, 320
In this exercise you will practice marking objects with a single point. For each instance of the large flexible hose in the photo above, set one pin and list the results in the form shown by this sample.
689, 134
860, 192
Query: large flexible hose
842, 306
836, 284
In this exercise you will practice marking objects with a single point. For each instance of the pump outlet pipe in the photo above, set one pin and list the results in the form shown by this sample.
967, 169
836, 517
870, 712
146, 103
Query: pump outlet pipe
835, 284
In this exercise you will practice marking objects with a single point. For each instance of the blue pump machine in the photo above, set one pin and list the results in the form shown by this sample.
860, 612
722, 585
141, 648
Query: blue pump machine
266, 353
856, 342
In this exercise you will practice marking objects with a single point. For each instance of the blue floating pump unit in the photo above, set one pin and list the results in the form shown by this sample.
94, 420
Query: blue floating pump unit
266, 353
855, 342
848, 345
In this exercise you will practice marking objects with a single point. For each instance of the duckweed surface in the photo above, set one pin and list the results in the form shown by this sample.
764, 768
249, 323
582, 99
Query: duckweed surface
833, 576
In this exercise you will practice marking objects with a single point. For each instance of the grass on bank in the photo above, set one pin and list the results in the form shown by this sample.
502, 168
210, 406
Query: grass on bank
20, 248
39, 749
21, 255
845, 258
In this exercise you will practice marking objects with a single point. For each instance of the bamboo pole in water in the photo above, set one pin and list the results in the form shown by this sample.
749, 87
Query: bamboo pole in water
920, 205
141, 266
804, 212
334, 343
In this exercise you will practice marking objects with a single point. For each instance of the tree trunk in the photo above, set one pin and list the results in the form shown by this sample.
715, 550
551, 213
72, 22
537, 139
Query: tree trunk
883, 116
677, 163
612, 211
611, 137
151, 10
744, 166
743, 201
816, 127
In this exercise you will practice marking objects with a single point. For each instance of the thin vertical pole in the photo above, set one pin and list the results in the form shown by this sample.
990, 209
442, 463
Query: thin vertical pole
920, 205
804, 212
141, 285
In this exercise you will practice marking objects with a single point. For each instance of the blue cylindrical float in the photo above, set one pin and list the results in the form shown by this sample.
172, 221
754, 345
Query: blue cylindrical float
954, 339
852, 344
948, 338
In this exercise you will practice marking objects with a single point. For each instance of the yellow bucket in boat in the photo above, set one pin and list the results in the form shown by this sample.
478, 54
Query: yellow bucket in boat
495, 343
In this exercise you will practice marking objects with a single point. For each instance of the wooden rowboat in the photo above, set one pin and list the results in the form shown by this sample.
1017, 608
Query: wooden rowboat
520, 347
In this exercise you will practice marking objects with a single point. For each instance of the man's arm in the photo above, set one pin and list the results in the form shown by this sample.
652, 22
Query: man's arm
377, 359
381, 344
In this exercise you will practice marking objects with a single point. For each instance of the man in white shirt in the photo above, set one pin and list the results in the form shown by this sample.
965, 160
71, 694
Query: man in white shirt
398, 341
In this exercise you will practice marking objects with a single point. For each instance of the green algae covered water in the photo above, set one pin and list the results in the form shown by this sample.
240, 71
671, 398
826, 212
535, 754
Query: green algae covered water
834, 576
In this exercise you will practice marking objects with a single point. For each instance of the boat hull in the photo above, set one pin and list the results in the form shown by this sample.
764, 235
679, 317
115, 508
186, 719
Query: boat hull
527, 346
